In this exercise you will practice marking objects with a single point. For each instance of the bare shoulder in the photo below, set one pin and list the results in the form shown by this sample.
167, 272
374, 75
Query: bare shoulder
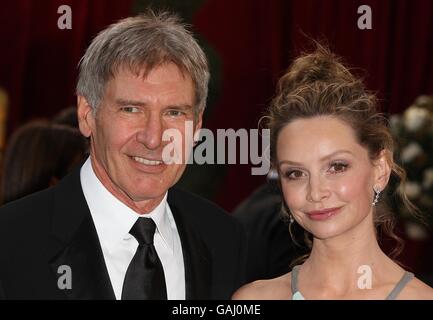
272, 289
416, 290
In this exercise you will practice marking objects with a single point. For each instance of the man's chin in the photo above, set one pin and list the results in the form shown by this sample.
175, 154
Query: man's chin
147, 196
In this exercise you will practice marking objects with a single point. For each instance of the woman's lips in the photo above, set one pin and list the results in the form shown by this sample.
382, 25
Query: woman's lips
323, 214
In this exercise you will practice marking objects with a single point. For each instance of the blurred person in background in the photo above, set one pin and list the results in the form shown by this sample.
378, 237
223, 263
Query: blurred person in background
67, 117
37, 156
270, 247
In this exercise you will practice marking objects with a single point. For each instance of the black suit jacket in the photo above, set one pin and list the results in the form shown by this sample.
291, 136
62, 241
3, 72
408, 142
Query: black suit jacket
54, 228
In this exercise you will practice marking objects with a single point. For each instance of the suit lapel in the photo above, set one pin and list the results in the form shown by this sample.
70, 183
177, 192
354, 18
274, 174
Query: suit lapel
196, 256
77, 245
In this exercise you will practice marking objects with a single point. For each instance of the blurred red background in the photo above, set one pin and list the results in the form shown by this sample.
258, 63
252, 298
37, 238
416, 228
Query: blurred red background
250, 43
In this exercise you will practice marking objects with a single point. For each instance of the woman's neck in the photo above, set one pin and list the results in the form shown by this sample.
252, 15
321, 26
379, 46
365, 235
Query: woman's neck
347, 262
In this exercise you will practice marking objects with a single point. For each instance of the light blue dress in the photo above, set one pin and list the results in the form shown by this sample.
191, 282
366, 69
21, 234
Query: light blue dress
297, 295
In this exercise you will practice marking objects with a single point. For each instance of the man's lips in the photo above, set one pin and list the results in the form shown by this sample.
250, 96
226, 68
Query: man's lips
146, 161
144, 165
323, 214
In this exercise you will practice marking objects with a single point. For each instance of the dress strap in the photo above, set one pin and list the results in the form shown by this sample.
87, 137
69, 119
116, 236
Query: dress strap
400, 285
294, 282
405, 279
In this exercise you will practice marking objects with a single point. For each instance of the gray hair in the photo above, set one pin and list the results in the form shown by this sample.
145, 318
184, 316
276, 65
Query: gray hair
141, 43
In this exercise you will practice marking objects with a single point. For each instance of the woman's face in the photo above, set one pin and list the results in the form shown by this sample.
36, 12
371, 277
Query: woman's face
327, 177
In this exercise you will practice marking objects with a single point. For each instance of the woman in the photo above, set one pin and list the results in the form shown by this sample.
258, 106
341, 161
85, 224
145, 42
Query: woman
334, 156
37, 156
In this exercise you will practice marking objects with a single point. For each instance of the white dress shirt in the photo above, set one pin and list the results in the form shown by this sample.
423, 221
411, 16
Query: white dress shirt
113, 221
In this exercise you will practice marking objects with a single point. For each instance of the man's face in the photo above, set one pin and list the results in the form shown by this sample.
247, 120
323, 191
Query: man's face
126, 133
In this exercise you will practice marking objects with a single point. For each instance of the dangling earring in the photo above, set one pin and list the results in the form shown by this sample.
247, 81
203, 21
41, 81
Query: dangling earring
291, 218
376, 195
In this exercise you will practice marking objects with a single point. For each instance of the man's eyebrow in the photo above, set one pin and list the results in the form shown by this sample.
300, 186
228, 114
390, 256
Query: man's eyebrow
128, 102
180, 106
321, 159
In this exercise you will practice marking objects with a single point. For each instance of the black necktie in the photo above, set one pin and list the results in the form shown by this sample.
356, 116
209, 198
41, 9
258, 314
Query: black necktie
144, 279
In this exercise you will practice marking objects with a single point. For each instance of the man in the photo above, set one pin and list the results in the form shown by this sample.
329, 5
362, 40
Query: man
115, 228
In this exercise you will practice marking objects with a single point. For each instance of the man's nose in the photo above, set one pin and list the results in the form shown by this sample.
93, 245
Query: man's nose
151, 133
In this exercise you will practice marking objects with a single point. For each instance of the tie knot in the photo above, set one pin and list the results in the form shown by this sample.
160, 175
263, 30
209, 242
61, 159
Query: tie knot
143, 230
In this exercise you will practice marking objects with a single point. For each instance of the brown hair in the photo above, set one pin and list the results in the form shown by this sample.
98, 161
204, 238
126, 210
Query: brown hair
318, 84
36, 153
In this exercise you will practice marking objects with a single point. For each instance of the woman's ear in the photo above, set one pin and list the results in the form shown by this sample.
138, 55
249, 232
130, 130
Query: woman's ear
382, 169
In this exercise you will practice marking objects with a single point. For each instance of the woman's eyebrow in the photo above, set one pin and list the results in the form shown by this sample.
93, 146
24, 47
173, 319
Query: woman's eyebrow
294, 163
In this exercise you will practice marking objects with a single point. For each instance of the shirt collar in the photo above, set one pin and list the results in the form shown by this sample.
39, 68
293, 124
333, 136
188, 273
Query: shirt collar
113, 219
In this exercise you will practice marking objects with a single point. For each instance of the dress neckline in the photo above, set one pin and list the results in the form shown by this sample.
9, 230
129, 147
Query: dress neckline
297, 295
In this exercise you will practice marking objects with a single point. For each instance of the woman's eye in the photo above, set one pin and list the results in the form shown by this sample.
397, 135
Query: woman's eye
338, 167
294, 174
130, 109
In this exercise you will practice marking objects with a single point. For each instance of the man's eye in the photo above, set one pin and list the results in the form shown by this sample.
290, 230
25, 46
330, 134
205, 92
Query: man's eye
338, 167
175, 113
130, 109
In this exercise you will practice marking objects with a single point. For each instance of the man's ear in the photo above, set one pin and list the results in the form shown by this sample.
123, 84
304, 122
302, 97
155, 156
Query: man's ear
199, 121
382, 168
86, 120
197, 126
